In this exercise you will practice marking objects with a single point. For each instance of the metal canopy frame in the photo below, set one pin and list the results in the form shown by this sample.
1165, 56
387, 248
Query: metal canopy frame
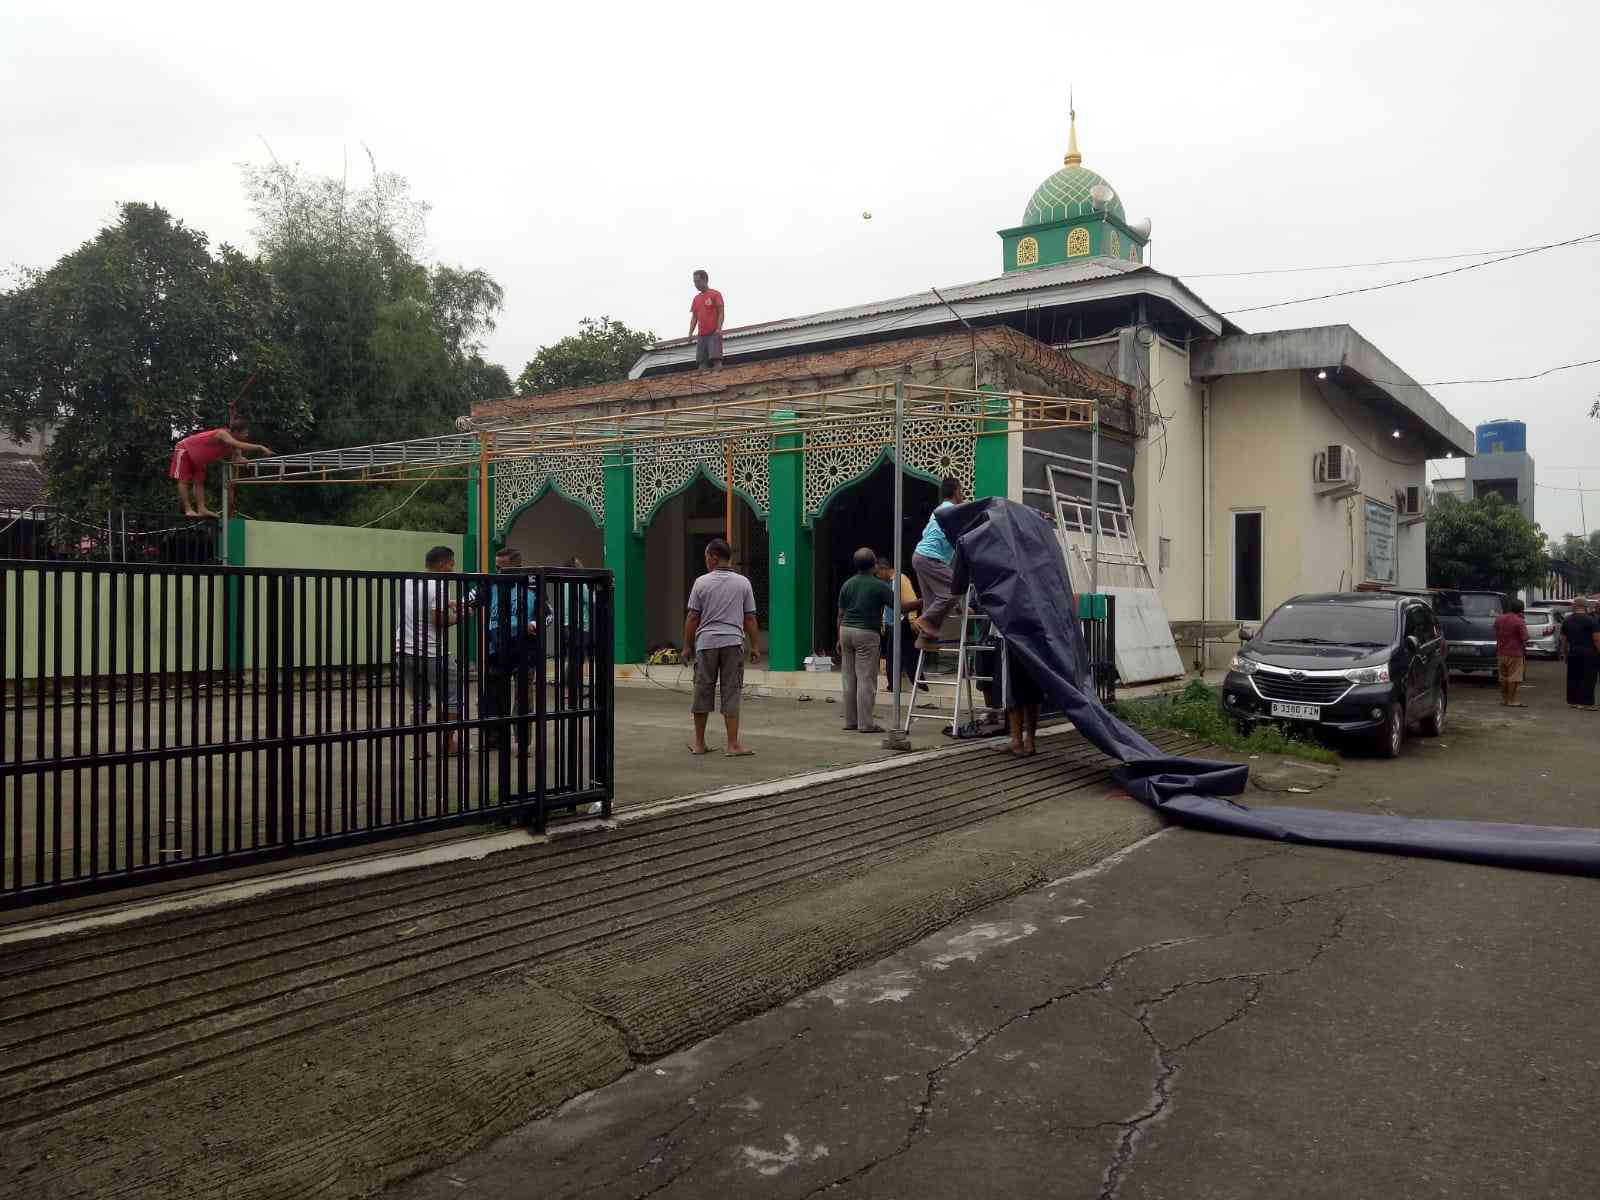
871, 416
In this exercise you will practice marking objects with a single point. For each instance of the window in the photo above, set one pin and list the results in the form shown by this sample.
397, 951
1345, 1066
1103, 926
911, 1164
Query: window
1027, 252
1078, 242
1116, 245
1340, 624
1164, 552
1247, 566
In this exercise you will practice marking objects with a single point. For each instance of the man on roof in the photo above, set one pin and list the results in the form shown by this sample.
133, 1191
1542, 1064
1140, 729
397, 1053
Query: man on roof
705, 322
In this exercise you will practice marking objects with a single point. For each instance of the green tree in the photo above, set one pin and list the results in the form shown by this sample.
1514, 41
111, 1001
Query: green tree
389, 347
1581, 556
602, 351
139, 337
1483, 543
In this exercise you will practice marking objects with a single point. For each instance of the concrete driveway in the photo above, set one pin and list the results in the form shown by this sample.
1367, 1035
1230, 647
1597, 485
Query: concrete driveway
1197, 1017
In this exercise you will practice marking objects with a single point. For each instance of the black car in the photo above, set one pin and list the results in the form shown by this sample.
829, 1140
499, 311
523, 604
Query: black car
1350, 663
1467, 619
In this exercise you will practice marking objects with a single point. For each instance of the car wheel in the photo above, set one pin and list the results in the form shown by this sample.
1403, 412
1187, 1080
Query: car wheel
1393, 735
1433, 725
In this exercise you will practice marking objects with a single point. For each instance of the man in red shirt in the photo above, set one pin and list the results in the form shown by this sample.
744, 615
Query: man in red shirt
195, 453
705, 319
1511, 651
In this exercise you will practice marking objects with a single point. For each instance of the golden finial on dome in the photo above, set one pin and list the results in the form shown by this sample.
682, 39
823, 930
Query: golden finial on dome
1073, 158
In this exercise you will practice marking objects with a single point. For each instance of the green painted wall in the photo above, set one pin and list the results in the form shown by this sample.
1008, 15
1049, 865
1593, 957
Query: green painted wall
789, 560
625, 559
1052, 239
991, 454
84, 623
337, 547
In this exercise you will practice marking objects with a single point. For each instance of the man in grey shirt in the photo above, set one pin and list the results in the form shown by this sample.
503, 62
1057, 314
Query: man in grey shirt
722, 611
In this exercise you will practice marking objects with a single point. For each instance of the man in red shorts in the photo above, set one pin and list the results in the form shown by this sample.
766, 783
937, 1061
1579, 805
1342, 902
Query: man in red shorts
705, 320
198, 451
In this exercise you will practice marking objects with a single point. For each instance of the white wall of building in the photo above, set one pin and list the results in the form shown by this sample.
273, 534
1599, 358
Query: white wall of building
1169, 476
552, 529
1266, 430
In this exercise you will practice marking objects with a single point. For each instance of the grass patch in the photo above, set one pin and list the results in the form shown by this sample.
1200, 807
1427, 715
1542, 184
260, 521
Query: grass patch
1197, 710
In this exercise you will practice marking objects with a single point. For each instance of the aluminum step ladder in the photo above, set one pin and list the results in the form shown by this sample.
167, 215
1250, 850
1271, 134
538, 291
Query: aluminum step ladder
975, 659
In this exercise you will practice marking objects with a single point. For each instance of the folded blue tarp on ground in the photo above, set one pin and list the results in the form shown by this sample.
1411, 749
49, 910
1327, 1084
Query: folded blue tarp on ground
1009, 553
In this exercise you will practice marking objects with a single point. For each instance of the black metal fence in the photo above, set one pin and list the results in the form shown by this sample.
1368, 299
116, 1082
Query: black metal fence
47, 534
1099, 621
165, 719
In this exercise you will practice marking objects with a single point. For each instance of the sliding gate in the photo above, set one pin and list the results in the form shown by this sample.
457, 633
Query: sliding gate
159, 720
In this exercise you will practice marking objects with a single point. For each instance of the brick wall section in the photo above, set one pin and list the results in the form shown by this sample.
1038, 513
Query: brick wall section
1005, 359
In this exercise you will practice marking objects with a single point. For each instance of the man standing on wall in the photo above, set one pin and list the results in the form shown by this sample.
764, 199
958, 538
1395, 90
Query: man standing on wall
932, 561
195, 453
1580, 646
722, 613
705, 322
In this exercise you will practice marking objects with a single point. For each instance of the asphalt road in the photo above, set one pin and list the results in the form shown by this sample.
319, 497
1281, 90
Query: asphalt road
1198, 1017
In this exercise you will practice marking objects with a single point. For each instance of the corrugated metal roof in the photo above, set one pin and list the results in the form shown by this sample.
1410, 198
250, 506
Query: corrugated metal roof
21, 482
1012, 281
1088, 279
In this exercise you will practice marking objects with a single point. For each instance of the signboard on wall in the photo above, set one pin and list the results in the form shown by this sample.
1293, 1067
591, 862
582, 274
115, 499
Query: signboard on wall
1380, 541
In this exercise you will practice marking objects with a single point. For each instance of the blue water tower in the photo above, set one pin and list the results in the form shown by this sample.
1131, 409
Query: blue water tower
1502, 437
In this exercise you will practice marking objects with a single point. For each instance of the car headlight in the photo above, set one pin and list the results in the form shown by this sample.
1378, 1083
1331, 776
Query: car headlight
1368, 675
1243, 665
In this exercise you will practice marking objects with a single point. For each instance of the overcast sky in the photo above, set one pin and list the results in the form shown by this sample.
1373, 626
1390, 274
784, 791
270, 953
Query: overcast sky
589, 156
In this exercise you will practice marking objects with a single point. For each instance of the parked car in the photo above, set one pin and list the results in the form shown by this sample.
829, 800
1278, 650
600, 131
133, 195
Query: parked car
1544, 632
1347, 663
1468, 622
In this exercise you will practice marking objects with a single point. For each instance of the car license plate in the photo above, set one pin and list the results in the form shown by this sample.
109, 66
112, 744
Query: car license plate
1297, 712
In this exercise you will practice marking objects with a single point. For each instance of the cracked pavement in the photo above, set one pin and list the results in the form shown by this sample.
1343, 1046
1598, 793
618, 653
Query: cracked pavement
1198, 1016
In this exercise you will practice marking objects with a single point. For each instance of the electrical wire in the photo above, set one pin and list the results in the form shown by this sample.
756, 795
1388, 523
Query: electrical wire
1588, 362
1378, 287
402, 504
1383, 262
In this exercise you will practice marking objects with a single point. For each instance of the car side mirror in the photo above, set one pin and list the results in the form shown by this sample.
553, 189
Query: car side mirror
1412, 644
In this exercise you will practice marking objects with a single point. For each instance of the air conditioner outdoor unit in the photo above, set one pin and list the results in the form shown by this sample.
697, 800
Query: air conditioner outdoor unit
1411, 504
1336, 471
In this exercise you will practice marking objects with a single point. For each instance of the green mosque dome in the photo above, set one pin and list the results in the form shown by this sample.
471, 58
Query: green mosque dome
1068, 194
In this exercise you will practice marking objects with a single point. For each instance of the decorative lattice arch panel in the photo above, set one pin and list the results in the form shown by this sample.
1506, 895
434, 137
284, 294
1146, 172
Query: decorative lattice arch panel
935, 447
520, 481
662, 469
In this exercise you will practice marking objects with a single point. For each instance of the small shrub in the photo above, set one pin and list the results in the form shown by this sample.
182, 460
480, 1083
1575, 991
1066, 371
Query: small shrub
1197, 710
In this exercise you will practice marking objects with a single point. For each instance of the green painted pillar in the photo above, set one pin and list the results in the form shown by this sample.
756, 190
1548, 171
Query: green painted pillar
625, 560
991, 454
788, 556
469, 549
234, 625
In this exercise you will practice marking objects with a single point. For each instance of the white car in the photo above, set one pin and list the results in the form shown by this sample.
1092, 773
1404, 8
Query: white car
1544, 632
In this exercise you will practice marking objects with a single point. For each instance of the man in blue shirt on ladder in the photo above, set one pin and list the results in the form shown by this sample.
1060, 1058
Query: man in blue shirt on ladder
933, 562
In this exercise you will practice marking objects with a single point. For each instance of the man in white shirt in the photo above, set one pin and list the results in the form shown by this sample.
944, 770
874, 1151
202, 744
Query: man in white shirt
722, 612
420, 647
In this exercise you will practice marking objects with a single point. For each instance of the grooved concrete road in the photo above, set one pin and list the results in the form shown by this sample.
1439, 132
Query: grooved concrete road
1200, 1017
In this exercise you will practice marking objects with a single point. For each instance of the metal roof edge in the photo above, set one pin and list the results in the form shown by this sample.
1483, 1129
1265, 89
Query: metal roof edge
932, 314
1323, 347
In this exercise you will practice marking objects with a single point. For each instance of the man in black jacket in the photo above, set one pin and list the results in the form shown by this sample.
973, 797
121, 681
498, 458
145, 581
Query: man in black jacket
1580, 646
